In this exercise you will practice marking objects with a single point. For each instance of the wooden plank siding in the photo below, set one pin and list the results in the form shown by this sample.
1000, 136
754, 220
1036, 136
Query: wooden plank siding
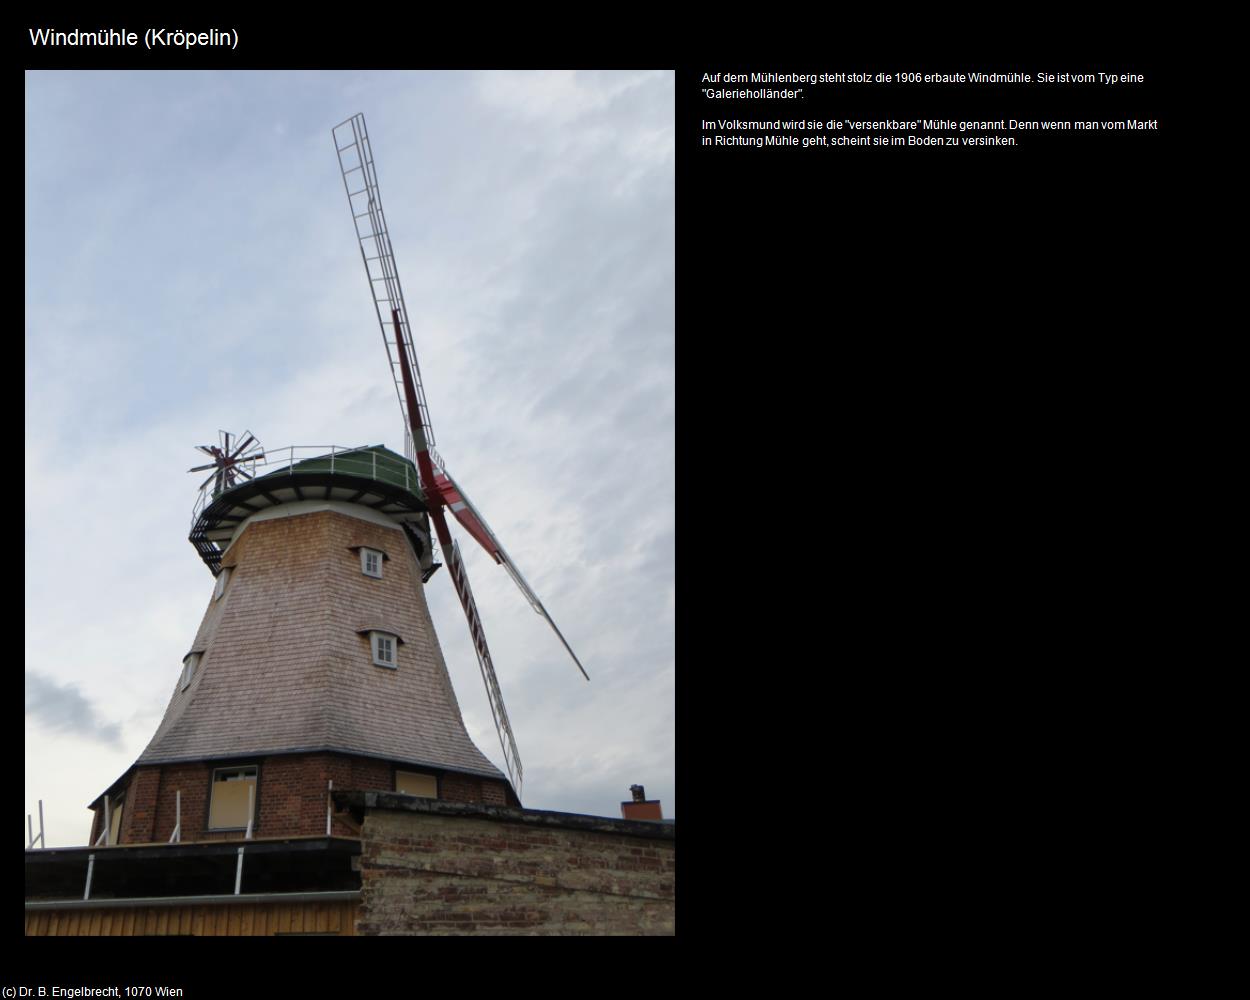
214, 920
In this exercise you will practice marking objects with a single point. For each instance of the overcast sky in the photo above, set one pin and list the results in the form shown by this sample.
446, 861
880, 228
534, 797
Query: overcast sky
191, 266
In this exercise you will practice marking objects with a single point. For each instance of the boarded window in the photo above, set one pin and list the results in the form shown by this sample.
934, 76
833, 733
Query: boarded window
115, 820
425, 785
231, 787
220, 589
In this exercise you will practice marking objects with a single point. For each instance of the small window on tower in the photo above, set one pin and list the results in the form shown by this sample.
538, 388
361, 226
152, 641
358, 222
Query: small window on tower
189, 663
220, 589
384, 649
371, 562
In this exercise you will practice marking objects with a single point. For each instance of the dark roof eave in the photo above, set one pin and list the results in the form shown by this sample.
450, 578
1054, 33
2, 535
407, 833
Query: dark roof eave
490, 771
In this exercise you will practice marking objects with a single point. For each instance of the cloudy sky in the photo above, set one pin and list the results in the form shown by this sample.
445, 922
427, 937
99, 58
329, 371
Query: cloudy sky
191, 266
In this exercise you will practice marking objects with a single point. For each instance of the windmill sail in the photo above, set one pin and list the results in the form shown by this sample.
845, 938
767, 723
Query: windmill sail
474, 523
360, 180
351, 141
502, 726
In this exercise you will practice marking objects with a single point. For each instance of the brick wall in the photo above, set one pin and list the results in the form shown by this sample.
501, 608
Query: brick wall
193, 780
139, 813
426, 871
465, 788
291, 796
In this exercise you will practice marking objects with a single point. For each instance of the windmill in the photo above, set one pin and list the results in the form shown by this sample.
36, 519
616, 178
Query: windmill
228, 462
357, 166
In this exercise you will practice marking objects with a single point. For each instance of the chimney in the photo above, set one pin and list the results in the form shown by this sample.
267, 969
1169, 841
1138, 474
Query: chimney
641, 807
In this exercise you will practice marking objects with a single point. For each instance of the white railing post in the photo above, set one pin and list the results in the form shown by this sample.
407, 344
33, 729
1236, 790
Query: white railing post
251, 809
176, 836
86, 893
30, 830
104, 834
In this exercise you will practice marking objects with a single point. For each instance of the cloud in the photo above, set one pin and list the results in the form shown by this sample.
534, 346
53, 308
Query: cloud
64, 709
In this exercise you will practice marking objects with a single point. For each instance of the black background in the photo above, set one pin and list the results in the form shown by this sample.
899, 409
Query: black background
917, 391
945, 378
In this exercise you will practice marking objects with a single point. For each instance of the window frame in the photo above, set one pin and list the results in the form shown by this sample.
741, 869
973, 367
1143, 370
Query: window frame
375, 641
190, 663
220, 587
212, 784
117, 807
417, 774
365, 553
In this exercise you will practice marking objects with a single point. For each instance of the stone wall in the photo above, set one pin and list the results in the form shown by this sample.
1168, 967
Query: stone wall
431, 867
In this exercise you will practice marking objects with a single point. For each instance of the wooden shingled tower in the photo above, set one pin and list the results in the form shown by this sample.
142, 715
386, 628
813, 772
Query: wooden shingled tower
316, 665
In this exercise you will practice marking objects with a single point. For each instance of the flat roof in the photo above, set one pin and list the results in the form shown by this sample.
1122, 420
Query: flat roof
358, 802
